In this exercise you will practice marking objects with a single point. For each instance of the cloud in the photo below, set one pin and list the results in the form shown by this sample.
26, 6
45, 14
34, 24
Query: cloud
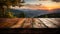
56, 0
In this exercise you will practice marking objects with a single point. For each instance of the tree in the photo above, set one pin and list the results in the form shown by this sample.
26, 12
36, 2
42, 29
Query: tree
5, 5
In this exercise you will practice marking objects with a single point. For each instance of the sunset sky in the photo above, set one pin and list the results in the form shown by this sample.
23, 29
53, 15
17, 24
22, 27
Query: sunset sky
47, 3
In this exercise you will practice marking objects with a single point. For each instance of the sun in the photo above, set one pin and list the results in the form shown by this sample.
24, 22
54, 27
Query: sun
49, 8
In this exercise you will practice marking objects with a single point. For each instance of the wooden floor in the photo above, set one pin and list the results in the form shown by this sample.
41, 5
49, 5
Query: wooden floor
46, 23
29, 22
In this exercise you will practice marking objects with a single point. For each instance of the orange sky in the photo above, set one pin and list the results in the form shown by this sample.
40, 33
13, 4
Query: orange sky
46, 4
35, 7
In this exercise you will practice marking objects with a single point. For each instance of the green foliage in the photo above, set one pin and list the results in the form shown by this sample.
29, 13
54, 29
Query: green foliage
7, 14
10, 15
7, 4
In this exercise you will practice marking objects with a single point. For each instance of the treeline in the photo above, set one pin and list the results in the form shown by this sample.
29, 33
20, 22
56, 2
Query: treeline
53, 15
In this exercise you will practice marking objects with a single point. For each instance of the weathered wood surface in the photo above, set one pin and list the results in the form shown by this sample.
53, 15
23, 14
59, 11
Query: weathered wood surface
29, 22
